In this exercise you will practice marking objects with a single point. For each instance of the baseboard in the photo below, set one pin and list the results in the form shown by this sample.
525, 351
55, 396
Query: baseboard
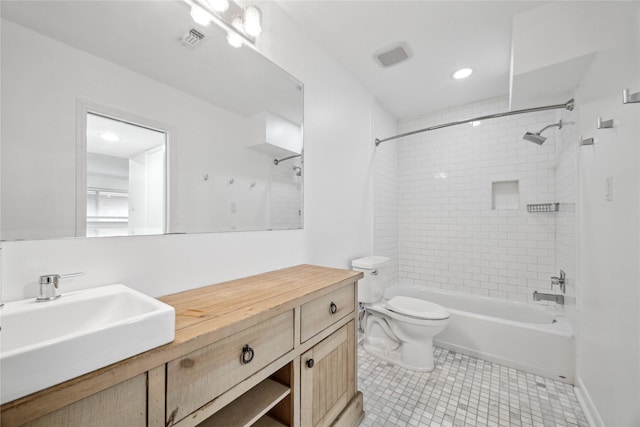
589, 409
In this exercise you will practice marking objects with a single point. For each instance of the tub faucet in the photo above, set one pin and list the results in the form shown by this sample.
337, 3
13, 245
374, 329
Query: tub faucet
539, 296
49, 286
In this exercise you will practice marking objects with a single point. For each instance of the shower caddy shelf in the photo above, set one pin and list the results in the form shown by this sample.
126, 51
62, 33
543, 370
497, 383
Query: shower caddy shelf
543, 207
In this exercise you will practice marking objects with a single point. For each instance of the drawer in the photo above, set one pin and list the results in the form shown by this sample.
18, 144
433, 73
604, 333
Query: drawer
198, 377
323, 311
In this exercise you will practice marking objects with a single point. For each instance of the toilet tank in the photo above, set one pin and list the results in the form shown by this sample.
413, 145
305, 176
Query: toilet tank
371, 286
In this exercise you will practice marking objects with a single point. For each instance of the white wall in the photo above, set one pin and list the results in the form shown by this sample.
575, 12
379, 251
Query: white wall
608, 290
338, 201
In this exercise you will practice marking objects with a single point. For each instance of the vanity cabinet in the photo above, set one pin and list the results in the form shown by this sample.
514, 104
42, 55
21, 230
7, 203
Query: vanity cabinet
276, 349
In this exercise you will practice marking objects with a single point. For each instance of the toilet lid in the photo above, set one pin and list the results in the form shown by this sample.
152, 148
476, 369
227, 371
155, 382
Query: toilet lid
417, 308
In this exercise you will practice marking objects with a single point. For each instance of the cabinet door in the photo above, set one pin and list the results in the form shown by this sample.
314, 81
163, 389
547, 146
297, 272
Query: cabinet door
327, 378
124, 404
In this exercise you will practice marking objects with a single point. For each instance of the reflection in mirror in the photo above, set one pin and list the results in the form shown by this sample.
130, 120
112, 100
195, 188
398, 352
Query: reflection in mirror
125, 187
224, 115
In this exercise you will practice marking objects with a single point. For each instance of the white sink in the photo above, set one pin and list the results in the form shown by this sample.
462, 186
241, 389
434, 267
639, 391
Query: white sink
46, 343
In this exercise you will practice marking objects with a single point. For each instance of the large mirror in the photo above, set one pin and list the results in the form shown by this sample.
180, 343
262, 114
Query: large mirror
126, 118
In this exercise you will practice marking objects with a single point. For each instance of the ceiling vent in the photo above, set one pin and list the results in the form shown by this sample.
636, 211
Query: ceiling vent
392, 55
191, 38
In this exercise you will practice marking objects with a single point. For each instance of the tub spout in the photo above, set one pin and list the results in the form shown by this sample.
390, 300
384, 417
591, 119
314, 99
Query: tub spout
539, 296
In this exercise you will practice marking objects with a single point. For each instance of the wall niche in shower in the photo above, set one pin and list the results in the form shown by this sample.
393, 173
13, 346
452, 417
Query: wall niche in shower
505, 195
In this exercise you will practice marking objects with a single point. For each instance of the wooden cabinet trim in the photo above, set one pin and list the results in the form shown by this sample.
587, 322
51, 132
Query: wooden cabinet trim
156, 397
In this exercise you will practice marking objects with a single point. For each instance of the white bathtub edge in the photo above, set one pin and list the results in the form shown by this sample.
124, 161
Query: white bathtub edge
590, 411
504, 362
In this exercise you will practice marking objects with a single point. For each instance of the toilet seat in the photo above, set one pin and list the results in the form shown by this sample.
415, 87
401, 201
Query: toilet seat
416, 308
383, 310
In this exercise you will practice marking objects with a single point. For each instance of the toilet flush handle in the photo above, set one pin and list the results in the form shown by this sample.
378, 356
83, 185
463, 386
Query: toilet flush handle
374, 273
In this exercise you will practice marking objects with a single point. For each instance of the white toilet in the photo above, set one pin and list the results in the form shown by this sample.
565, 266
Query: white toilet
399, 330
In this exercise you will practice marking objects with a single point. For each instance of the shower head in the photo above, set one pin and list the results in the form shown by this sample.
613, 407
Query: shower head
534, 137
537, 137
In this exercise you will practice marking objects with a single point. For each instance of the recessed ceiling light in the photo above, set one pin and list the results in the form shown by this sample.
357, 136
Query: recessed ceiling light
462, 73
109, 136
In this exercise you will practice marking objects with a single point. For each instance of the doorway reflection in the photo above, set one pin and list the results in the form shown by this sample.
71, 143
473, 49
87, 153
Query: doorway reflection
126, 185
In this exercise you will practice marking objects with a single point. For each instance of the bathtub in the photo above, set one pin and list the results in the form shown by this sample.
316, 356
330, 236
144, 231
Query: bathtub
532, 338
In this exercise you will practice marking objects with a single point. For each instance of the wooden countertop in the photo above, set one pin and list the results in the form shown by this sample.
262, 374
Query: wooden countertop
203, 315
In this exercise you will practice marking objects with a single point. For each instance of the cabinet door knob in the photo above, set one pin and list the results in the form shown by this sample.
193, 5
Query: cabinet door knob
333, 308
310, 363
247, 354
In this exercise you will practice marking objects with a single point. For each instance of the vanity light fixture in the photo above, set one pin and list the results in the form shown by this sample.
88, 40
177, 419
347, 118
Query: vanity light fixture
242, 24
475, 123
462, 73
109, 136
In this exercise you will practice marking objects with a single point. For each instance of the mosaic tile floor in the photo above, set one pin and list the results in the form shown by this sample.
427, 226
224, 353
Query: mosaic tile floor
463, 391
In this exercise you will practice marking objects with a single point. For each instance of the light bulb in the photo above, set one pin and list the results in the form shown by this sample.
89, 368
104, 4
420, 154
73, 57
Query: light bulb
200, 16
237, 23
234, 39
252, 25
219, 5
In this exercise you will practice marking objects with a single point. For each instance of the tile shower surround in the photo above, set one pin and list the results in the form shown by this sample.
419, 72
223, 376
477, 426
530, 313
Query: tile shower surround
386, 208
463, 391
449, 235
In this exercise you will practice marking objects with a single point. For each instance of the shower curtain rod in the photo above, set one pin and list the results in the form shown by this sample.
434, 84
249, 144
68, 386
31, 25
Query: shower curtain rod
567, 105
276, 161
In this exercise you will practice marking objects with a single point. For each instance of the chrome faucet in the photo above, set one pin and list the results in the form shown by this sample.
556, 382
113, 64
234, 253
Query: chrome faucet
539, 296
49, 286
560, 281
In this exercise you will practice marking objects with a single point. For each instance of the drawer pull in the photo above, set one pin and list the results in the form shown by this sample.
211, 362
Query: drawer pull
333, 308
187, 363
247, 354
310, 363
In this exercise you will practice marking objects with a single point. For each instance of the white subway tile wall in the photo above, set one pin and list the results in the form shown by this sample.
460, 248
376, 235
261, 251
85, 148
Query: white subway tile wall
286, 203
566, 195
386, 201
449, 235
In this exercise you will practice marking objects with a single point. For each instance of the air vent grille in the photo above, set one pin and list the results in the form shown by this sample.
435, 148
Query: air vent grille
191, 38
391, 56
